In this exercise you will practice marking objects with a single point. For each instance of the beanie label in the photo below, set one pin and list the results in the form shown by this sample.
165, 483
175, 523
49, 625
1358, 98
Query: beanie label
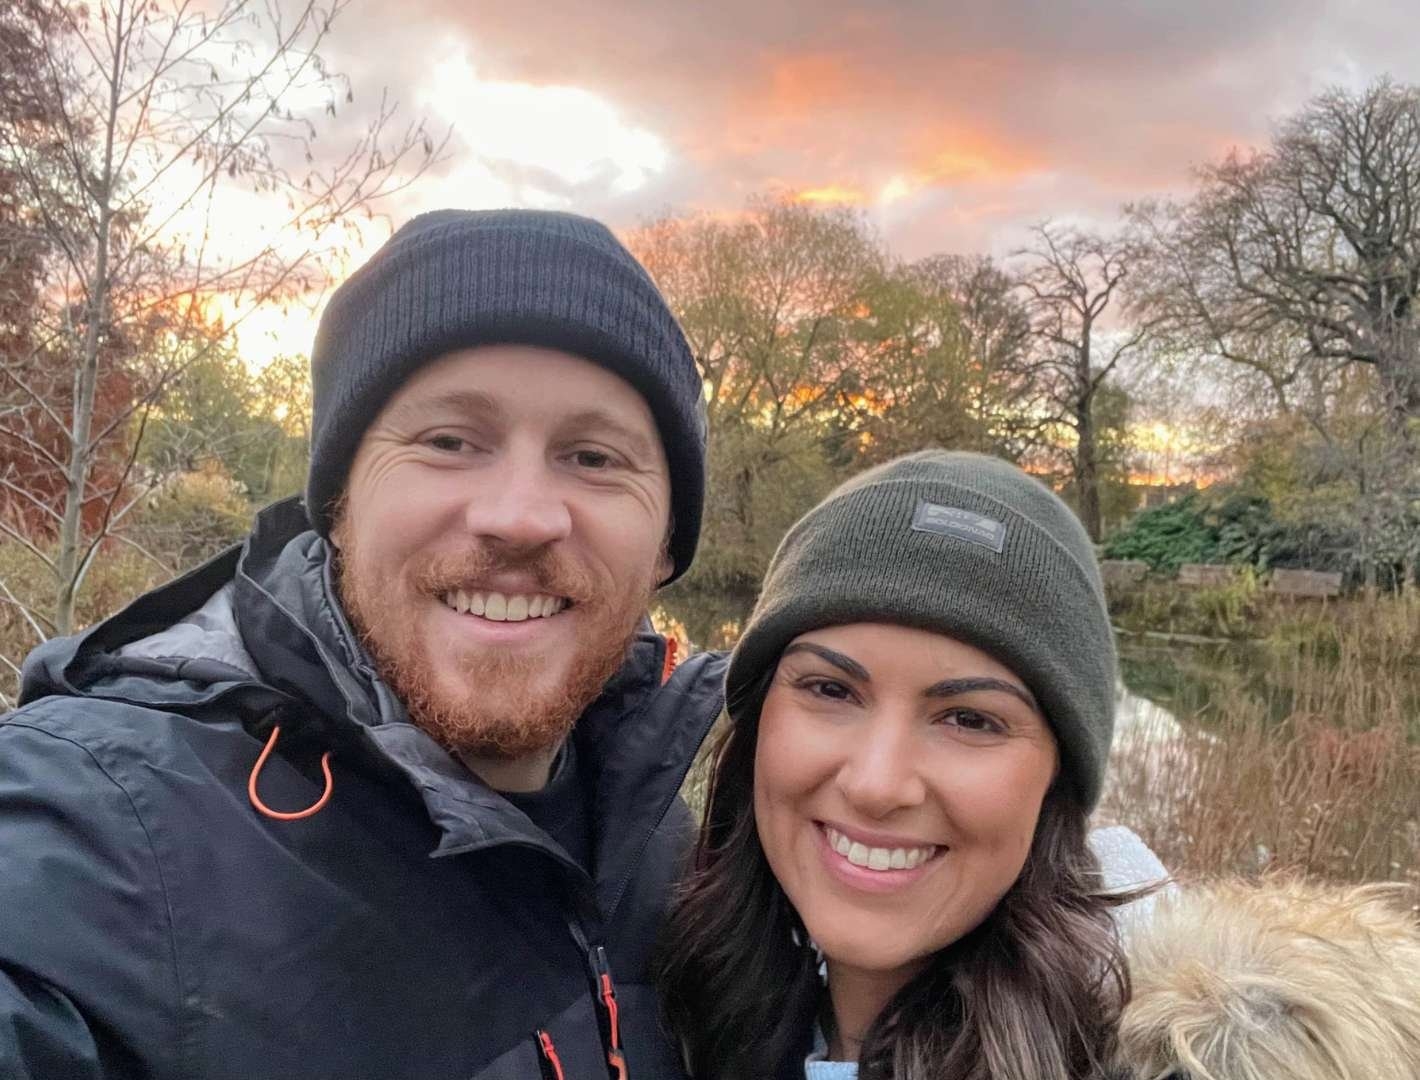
961, 524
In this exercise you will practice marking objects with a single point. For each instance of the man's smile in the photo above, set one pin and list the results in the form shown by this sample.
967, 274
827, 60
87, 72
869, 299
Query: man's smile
504, 607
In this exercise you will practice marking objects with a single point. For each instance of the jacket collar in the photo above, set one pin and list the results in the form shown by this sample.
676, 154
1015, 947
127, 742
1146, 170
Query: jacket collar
636, 740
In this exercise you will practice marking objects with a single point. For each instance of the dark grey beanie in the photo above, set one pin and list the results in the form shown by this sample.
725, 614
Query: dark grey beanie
966, 545
453, 279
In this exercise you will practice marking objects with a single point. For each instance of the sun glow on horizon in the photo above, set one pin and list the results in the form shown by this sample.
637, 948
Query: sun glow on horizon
273, 330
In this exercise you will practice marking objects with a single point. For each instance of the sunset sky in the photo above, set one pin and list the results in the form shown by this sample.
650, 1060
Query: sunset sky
952, 125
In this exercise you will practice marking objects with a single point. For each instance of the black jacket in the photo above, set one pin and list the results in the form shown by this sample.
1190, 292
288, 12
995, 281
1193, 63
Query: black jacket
153, 924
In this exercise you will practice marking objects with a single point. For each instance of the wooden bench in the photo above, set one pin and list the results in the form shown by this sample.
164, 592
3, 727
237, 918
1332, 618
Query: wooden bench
1317, 583
1205, 575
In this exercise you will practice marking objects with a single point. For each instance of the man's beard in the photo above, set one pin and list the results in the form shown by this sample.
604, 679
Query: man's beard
502, 705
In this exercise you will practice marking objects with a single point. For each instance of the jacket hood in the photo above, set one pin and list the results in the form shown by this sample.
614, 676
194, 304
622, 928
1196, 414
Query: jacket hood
256, 631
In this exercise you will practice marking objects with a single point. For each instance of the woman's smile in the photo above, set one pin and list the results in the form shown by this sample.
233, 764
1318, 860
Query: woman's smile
857, 863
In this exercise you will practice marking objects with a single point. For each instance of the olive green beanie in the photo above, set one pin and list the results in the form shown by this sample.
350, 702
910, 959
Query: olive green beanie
971, 547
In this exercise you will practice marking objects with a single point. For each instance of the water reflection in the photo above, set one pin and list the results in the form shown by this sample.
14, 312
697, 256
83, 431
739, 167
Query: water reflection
1137, 718
1153, 762
704, 620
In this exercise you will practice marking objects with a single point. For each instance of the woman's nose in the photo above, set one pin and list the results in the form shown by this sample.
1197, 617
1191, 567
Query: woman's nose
880, 772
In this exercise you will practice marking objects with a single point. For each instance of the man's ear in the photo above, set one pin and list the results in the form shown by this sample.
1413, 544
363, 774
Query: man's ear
665, 566
338, 510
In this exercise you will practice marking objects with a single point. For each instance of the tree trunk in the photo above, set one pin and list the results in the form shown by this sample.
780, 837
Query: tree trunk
86, 376
1087, 470
1086, 461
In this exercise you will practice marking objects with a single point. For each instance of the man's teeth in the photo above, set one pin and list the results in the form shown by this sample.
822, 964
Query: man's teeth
877, 858
502, 607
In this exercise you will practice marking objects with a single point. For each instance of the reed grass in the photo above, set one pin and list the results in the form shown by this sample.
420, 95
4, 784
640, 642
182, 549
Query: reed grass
1329, 789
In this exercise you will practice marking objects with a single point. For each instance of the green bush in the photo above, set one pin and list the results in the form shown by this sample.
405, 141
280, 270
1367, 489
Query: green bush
1166, 537
1229, 610
1250, 533
1242, 529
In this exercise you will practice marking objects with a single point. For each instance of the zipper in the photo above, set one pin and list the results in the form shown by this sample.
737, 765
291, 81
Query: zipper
551, 1063
605, 995
606, 989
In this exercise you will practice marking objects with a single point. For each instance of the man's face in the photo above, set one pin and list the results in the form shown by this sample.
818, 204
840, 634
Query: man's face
503, 530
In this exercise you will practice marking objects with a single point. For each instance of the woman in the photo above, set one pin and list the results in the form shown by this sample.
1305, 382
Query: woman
893, 878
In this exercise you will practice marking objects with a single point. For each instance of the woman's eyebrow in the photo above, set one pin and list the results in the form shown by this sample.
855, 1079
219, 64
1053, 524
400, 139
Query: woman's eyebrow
837, 659
954, 687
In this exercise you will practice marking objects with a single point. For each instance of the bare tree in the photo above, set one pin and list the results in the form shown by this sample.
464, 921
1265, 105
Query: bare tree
1304, 257
34, 110
995, 336
170, 121
1071, 278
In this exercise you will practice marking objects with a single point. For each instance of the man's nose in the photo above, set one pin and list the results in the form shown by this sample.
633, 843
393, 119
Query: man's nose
521, 503
881, 772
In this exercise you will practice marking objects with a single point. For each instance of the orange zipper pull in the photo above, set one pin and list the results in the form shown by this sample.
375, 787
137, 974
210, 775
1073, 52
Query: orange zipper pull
672, 647
549, 1054
614, 1056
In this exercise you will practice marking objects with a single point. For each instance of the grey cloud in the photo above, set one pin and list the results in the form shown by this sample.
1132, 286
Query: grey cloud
1091, 101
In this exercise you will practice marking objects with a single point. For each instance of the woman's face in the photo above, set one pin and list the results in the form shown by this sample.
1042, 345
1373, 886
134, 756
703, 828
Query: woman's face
898, 778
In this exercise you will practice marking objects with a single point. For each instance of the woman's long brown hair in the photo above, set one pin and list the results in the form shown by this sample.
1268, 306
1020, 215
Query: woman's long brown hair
1033, 993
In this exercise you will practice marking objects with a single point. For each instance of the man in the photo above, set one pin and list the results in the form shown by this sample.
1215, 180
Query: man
391, 790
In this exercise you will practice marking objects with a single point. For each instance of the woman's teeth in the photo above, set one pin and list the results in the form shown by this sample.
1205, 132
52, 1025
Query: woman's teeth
502, 607
877, 858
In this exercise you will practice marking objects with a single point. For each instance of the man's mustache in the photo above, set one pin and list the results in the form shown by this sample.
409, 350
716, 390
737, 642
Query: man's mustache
471, 570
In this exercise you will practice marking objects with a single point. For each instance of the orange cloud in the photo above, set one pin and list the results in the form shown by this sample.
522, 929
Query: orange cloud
811, 100
831, 195
960, 153
863, 134
811, 82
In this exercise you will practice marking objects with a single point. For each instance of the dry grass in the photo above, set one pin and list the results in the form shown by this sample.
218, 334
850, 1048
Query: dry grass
1331, 790
115, 580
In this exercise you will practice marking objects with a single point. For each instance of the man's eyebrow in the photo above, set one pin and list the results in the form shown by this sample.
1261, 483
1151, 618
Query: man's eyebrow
955, 687
837, 659
418, 410
635, 442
